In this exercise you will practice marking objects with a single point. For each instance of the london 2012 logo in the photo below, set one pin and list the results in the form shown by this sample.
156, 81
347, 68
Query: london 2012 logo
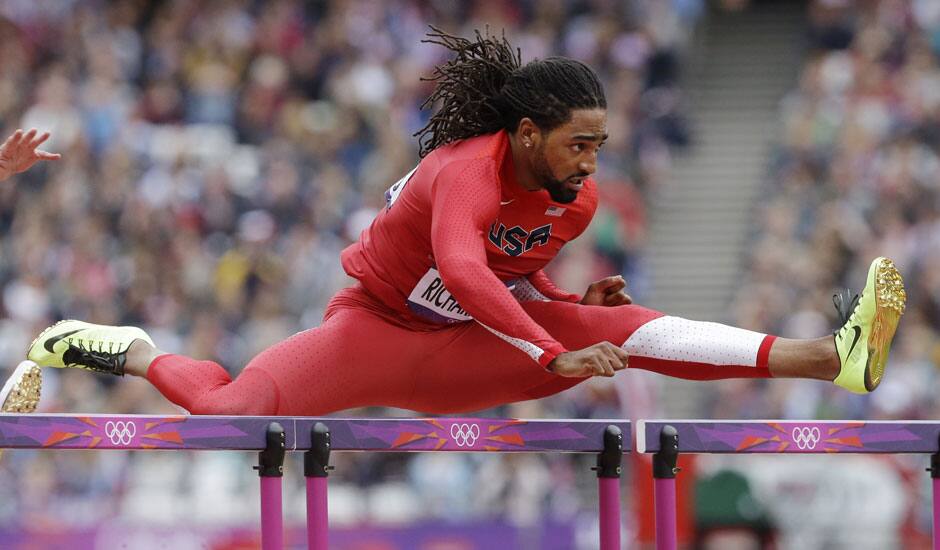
805, 437
120, 432
464, 435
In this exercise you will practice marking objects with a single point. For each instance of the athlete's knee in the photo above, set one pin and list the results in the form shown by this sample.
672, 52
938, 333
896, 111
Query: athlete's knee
234, 408
253, 393
616, 323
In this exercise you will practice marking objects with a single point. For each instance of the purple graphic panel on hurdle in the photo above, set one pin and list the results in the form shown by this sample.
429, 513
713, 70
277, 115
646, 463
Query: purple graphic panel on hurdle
788, 436
465, 434
38, 431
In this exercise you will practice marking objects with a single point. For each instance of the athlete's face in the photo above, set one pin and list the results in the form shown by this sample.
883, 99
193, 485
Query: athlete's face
565, 156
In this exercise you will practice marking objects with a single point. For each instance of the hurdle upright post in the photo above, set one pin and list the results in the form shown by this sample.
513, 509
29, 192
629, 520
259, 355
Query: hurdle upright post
608, 487
271, 471
935, 478
316, 470
664, 488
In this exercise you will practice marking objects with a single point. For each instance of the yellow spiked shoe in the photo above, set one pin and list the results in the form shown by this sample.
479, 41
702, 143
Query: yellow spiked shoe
82, 345
20, 393
869, 323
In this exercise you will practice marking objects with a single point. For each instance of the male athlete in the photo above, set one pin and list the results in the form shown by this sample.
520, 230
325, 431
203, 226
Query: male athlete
19, 153
452, 311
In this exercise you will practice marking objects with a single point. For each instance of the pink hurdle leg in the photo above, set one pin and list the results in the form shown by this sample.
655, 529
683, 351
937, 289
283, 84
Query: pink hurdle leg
664, 494
317, 514
935, 475
272, 514
608, 487
936, 512
316, 470
664, 488
271, 470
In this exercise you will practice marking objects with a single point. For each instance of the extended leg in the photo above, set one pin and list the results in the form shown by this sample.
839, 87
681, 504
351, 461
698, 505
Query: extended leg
360, 358
354, 359
855, 359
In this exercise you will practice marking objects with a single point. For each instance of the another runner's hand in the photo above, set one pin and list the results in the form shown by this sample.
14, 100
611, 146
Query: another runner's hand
19, 152
603, 359
607, 292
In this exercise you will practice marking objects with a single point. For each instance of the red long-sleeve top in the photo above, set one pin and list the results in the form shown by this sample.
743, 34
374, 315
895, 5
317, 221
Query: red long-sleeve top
459, 236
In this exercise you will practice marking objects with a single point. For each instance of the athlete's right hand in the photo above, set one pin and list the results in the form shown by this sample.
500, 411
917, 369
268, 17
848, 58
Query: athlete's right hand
603, 359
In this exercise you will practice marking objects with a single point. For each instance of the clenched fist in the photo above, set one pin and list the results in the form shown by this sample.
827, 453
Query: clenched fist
603, 359
607, 292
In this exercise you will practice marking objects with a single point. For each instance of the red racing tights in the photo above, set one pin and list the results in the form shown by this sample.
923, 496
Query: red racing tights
360, 357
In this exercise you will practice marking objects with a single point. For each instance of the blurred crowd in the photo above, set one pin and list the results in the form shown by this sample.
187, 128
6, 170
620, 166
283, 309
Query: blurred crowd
855, 177
217, 156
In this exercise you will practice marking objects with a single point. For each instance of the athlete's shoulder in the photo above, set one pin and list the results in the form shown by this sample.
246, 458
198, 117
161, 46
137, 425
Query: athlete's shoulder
461, 159
473, 161
463, 175
486, 147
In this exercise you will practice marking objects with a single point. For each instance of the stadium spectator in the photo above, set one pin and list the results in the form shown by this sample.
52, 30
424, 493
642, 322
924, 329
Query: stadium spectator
856, 172
19, 152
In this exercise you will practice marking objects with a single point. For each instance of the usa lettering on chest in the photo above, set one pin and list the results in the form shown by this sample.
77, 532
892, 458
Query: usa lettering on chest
516, 240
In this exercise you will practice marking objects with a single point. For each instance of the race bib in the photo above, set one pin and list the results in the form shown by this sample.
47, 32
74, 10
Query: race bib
432, 301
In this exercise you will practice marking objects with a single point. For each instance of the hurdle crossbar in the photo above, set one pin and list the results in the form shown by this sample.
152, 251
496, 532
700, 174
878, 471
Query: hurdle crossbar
273, 436
667, 438
146, 432
791, 436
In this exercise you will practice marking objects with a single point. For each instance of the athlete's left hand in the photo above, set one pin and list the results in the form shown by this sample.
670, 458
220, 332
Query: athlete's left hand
19, 152
607, 292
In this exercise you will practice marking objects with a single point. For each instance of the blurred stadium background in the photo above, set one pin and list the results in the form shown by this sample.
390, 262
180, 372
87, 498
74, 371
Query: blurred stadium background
219, 154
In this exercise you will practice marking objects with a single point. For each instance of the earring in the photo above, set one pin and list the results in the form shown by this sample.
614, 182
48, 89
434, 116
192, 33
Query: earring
528, 144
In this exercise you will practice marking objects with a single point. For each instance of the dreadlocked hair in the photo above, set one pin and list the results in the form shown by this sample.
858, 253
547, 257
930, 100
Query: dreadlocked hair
485, 88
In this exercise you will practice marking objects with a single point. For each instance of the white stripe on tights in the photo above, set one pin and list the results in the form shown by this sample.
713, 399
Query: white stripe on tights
678, 339
524, 291
529, 348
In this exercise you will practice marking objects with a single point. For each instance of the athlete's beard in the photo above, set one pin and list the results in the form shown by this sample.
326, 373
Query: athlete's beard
556, 188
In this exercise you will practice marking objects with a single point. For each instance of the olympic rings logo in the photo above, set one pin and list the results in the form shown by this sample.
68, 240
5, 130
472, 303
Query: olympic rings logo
805, 437
120, 432
464, 435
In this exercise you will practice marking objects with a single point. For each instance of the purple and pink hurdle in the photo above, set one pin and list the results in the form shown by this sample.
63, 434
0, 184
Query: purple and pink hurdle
667, 438
274, 436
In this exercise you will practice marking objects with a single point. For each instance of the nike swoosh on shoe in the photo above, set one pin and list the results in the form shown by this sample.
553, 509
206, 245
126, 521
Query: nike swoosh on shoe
51, 342
858, 334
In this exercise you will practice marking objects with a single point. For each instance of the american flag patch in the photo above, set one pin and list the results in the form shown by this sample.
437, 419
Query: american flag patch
555, 211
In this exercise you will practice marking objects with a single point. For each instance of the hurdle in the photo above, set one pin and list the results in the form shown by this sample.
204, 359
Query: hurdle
665, 439
272, 437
